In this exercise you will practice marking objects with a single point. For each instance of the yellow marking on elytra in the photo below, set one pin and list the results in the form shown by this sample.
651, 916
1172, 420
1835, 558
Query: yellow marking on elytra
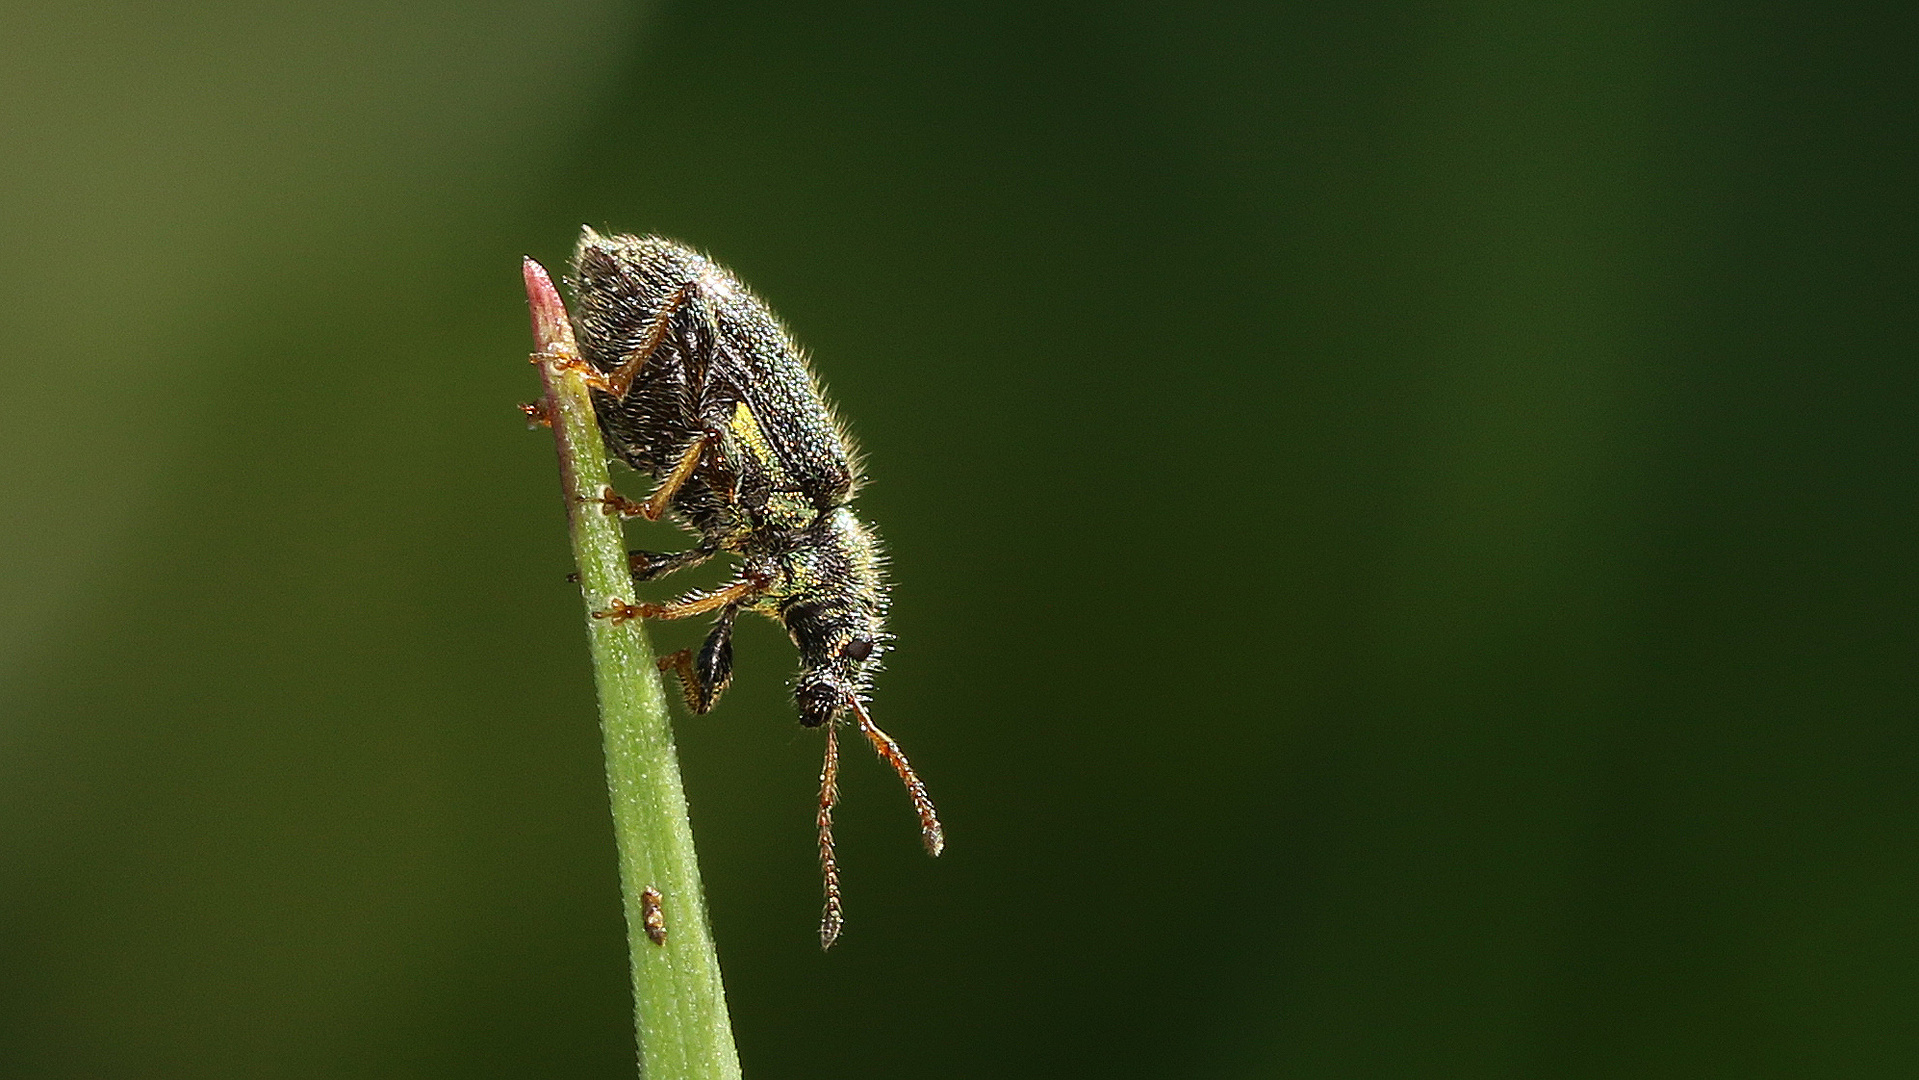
747, 427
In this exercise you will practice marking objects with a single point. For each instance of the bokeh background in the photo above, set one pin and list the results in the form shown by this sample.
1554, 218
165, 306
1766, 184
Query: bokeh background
1404, 519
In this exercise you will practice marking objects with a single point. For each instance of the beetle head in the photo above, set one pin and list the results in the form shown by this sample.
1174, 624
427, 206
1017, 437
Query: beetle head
840, 646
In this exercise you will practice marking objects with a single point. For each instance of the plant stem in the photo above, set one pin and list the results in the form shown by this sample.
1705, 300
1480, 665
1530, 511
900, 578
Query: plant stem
679, 1004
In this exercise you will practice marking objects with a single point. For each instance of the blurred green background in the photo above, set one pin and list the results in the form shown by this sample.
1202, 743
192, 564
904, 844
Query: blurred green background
1403, 518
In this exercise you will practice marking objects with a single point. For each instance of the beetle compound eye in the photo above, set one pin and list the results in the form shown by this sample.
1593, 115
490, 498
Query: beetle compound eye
857, 649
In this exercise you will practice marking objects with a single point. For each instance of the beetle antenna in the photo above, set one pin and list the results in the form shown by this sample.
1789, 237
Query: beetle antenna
890, 752
832, 917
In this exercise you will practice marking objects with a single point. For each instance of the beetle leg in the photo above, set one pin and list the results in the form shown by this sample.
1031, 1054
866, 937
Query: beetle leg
703, 680
741, 591
618, 381
648, 565
656, 503
614, 504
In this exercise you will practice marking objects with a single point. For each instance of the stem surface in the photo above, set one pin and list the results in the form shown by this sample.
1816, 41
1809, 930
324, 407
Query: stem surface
679, 1004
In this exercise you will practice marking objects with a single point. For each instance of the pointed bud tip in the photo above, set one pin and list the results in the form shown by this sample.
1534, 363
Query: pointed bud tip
550, 327
537, 280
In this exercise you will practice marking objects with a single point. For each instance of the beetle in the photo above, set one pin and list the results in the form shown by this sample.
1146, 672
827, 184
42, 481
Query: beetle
697, 385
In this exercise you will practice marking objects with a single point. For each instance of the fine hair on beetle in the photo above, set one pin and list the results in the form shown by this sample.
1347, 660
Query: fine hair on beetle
697, 385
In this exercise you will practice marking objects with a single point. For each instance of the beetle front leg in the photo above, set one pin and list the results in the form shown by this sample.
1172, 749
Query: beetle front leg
705, 678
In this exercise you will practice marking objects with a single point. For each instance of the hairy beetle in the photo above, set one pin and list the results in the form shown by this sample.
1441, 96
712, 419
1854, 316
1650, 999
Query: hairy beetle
697, 385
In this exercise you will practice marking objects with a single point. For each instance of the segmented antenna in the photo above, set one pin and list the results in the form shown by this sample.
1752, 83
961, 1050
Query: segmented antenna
890, 752
832, 917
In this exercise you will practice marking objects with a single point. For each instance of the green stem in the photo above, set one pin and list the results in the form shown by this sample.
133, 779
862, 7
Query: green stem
679, 1004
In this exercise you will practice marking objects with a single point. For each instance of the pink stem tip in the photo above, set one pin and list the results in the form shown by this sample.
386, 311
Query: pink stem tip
552, 333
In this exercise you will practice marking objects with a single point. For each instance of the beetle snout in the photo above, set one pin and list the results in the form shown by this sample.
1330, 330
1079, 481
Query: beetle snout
819, 701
